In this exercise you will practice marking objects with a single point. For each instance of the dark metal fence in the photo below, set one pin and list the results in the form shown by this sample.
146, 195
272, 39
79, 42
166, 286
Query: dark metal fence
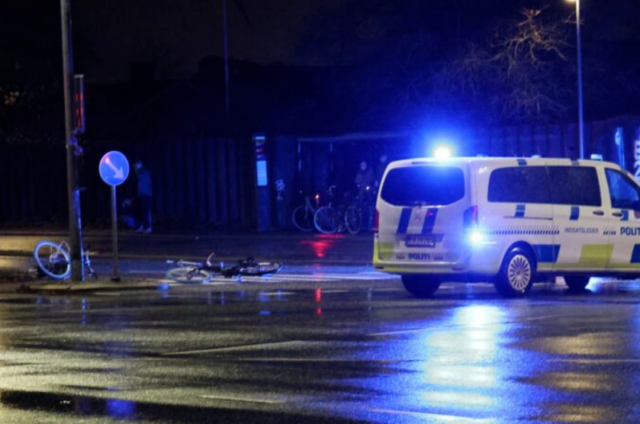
325, 161
203, 182
210, 182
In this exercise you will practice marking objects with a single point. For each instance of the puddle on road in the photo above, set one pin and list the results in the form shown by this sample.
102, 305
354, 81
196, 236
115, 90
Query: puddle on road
126, 410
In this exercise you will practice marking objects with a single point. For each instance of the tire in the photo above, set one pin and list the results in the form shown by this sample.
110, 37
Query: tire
52, 260
353, 220
325, 220
261, 268
421, 286
517, 273
303, 218
188, 276
576, 283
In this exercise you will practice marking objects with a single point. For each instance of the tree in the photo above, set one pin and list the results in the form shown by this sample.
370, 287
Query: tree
520, 74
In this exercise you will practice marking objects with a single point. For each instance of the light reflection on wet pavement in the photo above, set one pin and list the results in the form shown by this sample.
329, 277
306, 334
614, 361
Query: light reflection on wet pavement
350, 351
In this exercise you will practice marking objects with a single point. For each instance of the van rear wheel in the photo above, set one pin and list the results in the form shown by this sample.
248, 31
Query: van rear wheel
421, 286
576, 283
517, 273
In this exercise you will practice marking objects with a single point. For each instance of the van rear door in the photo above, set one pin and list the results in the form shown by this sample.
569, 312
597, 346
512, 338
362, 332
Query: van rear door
421, 209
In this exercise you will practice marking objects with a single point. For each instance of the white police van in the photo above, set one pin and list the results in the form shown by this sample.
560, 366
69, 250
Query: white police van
507, 220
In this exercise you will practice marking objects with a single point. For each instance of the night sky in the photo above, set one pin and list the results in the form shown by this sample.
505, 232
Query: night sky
178, 34
391, 50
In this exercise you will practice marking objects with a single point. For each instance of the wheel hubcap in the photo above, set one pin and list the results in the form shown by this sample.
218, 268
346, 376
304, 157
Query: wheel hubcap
519, 272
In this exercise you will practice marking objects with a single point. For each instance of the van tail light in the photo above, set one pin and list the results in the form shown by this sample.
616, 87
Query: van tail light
376, 221
472, 228
470, 218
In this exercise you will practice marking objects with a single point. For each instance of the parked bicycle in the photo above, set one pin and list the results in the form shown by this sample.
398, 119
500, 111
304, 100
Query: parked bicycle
303, 215
359, 215
54, 260
329, 219
198, 272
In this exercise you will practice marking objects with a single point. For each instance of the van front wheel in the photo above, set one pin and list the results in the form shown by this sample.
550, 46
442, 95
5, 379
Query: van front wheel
516, 274
421, 286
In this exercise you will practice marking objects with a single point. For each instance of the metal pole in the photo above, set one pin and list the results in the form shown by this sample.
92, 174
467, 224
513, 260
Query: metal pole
225, 29
114, 233
580, 102
73, 191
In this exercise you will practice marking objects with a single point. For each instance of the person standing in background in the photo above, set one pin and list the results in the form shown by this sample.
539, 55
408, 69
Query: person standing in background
364, 178
145, 196
382, 166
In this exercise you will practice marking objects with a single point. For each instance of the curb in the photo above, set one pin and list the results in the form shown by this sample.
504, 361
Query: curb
91, 287
343, 260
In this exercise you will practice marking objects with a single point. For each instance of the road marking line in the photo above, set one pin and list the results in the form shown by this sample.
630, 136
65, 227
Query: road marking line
545, 317
391, 333
418, 330
327, 276
441, 417
237, 399
325, 360
597, 361
275, 293
285, 279
233, 348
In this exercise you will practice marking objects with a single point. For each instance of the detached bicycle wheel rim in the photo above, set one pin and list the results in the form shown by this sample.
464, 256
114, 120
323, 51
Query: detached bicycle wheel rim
187, 276
353, 220
325, 220
303, 219
52, 260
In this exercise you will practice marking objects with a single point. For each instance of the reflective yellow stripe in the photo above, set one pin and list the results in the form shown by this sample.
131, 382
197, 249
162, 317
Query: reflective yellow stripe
596, 255
615, 266
420, 270
383, 251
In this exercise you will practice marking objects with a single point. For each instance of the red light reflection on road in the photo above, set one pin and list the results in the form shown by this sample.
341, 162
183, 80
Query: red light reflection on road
318, 295
320, 246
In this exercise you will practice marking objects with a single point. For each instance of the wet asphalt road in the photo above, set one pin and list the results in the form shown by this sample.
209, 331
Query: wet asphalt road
285, 246
358, 350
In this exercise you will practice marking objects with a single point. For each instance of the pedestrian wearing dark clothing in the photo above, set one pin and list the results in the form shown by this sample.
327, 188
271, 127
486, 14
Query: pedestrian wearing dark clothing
382, 166
145, 196
364, 178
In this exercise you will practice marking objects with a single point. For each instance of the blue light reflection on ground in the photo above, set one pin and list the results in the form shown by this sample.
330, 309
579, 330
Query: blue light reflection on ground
121, 409
453, 369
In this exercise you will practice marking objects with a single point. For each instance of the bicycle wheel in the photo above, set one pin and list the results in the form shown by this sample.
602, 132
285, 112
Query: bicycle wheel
260, 268
353, 219
188, 275
303, 218
325, 220
53, 260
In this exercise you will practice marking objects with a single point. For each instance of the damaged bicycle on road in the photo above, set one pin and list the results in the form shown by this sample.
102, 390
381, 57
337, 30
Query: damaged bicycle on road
201, 273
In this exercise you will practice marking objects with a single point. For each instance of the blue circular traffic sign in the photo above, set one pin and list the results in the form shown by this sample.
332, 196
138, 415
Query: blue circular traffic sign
114, 168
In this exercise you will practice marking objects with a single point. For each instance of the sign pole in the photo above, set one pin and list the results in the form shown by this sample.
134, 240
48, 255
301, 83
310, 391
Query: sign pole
114, 233
114, 170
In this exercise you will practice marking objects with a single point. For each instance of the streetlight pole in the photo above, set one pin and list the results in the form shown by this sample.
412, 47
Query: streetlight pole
580, 101
225, 31
73, 191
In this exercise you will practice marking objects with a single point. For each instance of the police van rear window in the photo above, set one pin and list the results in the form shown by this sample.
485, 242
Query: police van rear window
423, 185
